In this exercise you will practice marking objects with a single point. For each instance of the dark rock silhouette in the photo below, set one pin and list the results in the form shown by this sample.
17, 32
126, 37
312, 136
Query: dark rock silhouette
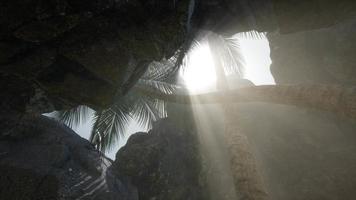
43, 159
164, 163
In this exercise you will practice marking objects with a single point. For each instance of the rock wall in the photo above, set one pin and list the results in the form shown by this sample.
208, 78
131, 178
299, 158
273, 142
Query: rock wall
42, 159
323, 56
302, 154
74, 53
307, 154
302, 15
59, 54
84, 52
164, 163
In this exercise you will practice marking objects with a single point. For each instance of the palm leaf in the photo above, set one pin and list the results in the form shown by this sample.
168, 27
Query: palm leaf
226, 50
146, 109
163, 87
250, 35
231, 56
159, 70
227, 53
109, 125
74, 116
145, 112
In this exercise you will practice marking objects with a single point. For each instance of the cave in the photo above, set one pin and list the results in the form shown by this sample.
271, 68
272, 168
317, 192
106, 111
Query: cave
178, 100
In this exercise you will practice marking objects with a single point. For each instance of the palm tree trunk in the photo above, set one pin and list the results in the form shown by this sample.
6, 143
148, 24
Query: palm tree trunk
337, 99
247, 178
247, 181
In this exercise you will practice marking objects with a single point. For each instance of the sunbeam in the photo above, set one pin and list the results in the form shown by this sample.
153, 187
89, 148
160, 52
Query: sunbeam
199, 74
214, 122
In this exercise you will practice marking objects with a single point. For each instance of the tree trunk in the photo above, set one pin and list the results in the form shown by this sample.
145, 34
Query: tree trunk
247, 181
337, 99
247, 178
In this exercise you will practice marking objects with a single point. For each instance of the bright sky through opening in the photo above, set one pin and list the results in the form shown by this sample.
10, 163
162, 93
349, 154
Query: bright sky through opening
200, 73
256, 53
200, 76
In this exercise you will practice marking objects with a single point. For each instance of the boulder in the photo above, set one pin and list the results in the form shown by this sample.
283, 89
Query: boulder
163, 164
43, 159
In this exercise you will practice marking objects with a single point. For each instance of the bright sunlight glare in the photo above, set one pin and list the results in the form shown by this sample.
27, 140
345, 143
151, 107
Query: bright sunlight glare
200, 73
199, 76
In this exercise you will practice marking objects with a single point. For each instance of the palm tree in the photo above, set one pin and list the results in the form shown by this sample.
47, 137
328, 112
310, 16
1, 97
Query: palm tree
110, 123
246, 178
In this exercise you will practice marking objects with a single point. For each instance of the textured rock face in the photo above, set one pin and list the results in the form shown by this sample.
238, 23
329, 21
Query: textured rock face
163, 164
319, 56
301, 154
42, 159
83, 52
286, 16
295, 15
307, 154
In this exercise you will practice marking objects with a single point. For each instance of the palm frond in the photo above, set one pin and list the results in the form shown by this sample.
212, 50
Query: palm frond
110, 124
145, 111
232, 58
74, 116
250, 35
227, 53
182, 58
139, 71
159, 70
227, 50
163, 87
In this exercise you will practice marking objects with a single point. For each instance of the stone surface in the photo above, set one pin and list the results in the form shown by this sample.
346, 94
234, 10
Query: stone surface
59, 54
301, 154
319, 56
42, 159
163, 164
295, 15
75, 52
83, 52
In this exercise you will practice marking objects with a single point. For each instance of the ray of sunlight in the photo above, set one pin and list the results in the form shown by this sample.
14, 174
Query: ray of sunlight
199, 75
210, 120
